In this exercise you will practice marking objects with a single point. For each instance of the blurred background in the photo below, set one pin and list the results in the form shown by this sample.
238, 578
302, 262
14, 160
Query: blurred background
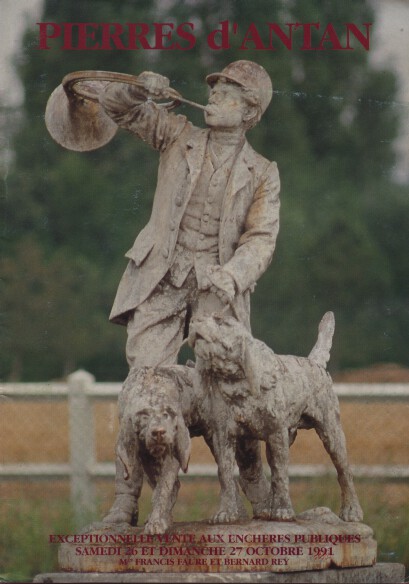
338, 127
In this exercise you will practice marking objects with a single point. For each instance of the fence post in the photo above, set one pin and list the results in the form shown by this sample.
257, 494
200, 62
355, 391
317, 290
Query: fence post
81, 423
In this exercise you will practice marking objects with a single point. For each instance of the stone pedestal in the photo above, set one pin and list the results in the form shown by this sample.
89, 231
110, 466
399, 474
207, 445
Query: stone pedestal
317, 540
379, 574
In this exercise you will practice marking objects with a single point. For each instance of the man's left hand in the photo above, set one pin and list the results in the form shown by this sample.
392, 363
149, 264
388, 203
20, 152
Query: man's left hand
223, 284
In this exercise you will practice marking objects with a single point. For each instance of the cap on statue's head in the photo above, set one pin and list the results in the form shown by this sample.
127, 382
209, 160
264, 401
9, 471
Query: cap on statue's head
249, 75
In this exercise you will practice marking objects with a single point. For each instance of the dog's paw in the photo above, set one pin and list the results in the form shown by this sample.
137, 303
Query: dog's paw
119, 516
261, 512
156, 526
223, 516
352, 512
124, 510
282, 514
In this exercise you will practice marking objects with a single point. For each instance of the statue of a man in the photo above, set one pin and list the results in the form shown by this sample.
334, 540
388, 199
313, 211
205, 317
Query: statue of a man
215, 213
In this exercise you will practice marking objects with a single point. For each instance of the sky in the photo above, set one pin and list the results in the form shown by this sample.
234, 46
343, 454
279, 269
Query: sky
391, 49
15, 14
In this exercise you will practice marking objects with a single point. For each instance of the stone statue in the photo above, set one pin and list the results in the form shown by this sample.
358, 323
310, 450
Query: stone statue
239, 392
212, 232
211, 235
158, 409
214, 220
153, 439
191, 270
250, 391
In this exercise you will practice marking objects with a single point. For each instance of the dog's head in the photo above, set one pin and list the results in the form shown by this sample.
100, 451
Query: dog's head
153, 414
223, 345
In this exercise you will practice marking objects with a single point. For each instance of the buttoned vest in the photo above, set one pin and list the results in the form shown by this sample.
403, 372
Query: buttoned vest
197, 243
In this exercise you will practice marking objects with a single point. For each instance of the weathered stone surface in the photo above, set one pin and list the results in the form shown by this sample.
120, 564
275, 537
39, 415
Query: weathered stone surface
153, 440
254, 546
378, 574
191, 270
191, 277
182, 267
250, 391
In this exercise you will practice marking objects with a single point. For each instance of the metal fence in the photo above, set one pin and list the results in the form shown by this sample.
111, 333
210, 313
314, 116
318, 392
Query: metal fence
82, 391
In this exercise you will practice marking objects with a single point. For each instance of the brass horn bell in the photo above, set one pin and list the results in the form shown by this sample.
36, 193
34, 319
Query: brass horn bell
74, 117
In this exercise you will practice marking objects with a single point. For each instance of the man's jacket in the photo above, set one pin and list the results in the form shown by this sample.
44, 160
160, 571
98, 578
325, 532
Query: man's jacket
250, 210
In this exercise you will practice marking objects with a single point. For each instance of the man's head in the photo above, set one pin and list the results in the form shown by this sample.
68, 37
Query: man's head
239, 95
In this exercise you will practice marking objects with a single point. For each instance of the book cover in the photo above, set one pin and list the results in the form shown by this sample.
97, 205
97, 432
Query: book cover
337, 126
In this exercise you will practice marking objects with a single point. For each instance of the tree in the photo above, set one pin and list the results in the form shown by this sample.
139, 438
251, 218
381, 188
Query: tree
46, 306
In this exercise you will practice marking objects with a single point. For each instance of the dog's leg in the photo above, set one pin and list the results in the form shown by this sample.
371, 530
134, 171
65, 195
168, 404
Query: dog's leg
128, 485
224, 452
333, 438
277, 455
240, 506
252, 478
166, 486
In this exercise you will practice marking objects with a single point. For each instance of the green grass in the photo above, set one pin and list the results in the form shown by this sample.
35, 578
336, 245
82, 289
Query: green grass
385, 507
26, 523
24, 529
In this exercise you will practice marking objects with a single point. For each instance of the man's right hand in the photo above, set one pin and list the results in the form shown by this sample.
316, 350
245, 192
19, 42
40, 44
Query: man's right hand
154, 84
118, 98
221, 283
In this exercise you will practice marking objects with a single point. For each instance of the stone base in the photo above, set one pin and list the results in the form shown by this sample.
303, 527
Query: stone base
378, 574
317, 540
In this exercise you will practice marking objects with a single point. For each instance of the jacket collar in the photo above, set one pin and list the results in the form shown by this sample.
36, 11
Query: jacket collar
241, 174
196, 148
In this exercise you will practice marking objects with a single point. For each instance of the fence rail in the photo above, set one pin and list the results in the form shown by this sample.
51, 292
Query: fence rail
107, 390
81, 390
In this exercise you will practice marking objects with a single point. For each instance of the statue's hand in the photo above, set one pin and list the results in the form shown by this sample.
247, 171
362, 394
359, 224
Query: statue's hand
222, 283
119, 98
154, 84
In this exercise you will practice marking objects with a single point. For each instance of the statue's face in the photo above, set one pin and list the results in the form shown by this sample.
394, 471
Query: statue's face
226, 107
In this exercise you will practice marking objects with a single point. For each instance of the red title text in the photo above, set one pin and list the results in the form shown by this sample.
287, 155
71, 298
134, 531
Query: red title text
269, 36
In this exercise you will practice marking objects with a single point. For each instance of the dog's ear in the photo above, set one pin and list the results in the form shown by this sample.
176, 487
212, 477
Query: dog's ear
183, 444
251, 367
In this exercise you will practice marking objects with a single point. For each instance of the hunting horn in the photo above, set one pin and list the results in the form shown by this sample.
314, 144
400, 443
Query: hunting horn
76, 120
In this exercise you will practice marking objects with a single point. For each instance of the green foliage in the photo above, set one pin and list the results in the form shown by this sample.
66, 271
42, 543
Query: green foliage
24, 529
382, 507
51, 306
330, 127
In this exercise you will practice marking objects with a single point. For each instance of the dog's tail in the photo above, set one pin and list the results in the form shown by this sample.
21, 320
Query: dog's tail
321, 351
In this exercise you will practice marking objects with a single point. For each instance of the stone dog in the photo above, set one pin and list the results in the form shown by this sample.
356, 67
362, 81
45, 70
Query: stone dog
158, 409
257, 394
153, 438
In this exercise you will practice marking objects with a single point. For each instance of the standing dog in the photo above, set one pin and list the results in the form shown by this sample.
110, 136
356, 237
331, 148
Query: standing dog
256, 394
153, 438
